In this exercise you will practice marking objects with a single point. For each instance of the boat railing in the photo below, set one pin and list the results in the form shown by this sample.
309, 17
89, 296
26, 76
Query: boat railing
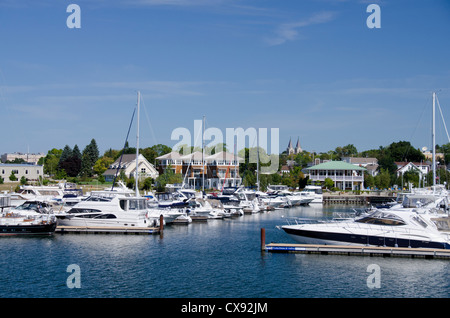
383, 229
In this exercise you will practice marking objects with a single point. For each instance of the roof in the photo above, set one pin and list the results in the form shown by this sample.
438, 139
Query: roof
360, 160
197, 155
223, 155
127, 158
170, 155
336, 165
19, 165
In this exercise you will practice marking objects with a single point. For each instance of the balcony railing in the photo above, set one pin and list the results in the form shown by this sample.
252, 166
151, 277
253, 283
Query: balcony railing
337, 178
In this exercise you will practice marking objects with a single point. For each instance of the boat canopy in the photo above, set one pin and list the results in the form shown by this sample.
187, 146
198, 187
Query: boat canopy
382, 218
418, 201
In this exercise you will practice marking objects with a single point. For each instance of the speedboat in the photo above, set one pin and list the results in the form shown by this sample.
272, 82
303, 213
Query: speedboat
30, 218
406, 226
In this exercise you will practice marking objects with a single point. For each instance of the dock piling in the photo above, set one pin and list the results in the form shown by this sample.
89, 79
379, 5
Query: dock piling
263, 239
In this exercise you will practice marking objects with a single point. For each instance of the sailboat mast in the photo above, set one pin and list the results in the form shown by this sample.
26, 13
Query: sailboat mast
137, 144
434, 140
257, 160
203, 162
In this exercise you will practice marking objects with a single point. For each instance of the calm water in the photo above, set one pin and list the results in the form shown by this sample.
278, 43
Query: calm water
218, 259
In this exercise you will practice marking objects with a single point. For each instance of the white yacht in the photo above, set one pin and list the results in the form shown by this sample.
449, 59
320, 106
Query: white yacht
413, 224
314, 192
109, 209
30, 218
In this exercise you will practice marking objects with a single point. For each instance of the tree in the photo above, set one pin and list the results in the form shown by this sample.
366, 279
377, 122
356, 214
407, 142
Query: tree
328, 183
70, 161
89, 158
65, 155
102, 164
76, 154
346, 151
369, 180
383, 179
51, 161
147, 184
168, 177
23, 180
12, 176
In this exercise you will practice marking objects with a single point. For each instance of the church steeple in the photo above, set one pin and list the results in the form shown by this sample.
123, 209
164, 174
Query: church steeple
290, 150
294, 151
298, 149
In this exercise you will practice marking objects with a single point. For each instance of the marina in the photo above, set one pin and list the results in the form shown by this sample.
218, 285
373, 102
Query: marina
217, 258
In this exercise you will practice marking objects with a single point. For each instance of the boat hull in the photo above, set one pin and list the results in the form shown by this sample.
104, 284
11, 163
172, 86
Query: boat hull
36, 229
305, 236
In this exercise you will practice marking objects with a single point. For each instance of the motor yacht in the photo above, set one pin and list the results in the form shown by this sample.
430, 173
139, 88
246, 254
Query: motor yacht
30, 218
414, 224
109, 209
314, 192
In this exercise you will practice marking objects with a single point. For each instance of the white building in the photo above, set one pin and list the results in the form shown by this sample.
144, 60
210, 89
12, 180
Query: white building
421, 168
31, 172
27, 157
128, 166
345, 176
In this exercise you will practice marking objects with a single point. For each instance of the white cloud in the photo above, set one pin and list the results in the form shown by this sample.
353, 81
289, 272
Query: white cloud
290, 31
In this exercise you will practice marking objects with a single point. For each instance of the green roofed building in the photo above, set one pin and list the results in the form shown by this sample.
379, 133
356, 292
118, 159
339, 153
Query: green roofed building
345, 176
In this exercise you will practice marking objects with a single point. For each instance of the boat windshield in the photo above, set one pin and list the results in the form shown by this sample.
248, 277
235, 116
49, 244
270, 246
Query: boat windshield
34, 206
417, 201
382, 218
98, 198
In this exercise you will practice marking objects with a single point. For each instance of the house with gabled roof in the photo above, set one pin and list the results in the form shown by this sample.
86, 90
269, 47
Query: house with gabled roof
127, 164
421, 167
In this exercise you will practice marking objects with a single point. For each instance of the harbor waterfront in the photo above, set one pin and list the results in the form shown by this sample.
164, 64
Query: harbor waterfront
220, 258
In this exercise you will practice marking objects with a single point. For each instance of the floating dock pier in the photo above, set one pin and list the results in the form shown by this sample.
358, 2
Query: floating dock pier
357, 199
381, 251
359, 250
106, 230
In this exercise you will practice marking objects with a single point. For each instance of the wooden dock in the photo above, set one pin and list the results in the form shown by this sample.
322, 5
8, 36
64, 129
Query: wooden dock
107, 230
356, 199
358, 250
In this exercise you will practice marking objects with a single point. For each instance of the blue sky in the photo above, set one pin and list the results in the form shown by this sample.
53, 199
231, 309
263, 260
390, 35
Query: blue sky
311, 68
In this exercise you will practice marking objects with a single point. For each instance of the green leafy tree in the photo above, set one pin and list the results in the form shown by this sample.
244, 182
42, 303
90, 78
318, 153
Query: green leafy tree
70, 161
383, 179
12, 176
147, 184
102, 164
23, 180
51, 161
168, 177
89, 158
328, 183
